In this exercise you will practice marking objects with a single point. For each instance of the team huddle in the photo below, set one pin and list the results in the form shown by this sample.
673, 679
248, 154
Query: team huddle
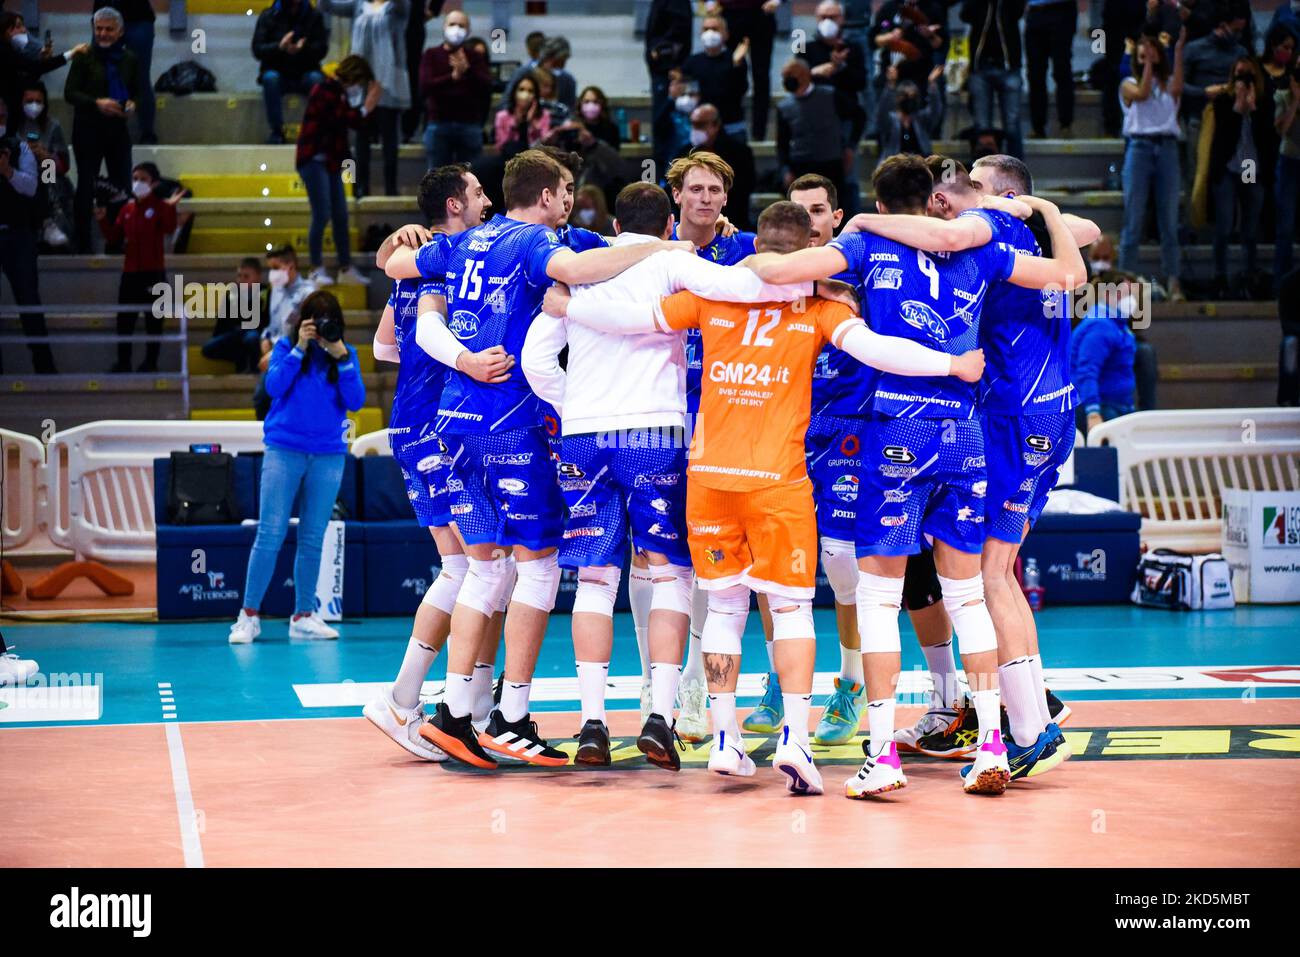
728, 408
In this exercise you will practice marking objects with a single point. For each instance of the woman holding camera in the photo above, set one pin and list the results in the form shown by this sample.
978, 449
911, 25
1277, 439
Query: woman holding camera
314, 381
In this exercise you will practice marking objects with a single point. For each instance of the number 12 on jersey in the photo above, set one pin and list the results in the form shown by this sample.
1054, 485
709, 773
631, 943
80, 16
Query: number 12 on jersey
756, 335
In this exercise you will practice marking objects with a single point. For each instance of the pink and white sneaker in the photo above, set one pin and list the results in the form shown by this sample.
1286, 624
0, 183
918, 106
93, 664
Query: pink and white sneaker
877, 775
989, 773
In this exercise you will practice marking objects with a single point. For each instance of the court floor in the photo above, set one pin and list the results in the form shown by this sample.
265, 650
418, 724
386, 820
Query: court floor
161, 745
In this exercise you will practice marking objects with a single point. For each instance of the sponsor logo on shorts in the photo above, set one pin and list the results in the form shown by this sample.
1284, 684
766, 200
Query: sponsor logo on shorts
896, 471
706, 529
979, 489
593, 532
850, 445
898, 454
1016, 507
967, 514
512, 486
972, 462
464, 324
896, 495
842, 513
520, 517
428, 462
574, 485
455, 485
658, 530
892, 521
714, 555
1027, 485
660, 505
665, 478
888, 279
570, 470
462, 509
846, 488
412, 494
1033, 459
1039, 443
585, 510
511, 458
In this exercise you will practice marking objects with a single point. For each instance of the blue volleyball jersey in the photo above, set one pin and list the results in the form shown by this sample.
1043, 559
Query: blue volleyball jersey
842, 386
579, 239
933, 298
1025, 335
419, 375
725, 251
494, 278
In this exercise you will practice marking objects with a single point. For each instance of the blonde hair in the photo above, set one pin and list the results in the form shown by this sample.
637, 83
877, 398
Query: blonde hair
700, 159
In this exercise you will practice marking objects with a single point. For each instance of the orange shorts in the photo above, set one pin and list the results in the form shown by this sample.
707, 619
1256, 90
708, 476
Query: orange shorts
766, 539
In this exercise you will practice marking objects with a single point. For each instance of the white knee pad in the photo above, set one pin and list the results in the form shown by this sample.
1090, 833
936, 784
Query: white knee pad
538, 582
483, 583
879, 601
840, 562
597, 590
795, 623
971, 622
672, 588
442, 593
728, 612
501, 600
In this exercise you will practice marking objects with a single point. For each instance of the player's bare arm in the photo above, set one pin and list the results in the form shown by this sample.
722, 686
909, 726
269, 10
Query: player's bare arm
803, 265
924, 232
1064, 268
596, 265
411, 236
385, 344
1084, 231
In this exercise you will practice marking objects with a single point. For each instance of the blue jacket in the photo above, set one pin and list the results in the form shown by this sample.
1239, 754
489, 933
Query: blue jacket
1101, 362
308, 412
1286, 16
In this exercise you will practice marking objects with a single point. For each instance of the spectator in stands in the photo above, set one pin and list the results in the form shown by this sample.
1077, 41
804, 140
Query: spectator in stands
335, 105
377, 38
1151, 156
590, 210
808, 130
546, 97
1121, 21
314, 381
289, 42
593, 109
138, 32
995, 66
551, 60
1243, 158
1102, 351
1102, 254
1207, 62
455, 82
686, 97
1287, 15
753, 23
288, 290
44, 135
1286, 181
521, 122
906, 34
419, 13
839, 64
721, 75
101, 89
1279, 54
667, 44
231, 341
1049, 35
143, 224
19, 178
902, 119
707, 134
23, 61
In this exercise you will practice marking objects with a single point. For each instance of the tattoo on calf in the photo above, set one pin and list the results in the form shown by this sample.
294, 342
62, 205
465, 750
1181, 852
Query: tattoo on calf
718, 668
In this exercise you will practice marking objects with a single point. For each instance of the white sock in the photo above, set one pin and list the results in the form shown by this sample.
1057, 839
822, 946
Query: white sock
1036, 664
416, 663
943, 672
514, 700
796, 715
880, 725
722, 706
771, 662
1016, 681
457, 697
851, 665
664, 678
640, 592
592, 678
988, 708
481, 691
694, 670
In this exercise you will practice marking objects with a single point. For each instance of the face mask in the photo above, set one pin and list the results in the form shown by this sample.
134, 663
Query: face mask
790, 83
699, 137
33, 110
591, 110
711, 39
279, 278
1127, 307
19, 40
1099, 265
586, 216
454, 34
140, 188
686, 103
523, 97
829, 29
356, 96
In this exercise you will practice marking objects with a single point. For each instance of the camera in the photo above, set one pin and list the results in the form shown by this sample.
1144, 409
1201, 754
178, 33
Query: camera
329, 329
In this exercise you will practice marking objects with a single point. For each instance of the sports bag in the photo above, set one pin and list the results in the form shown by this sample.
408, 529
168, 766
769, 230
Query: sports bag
201, 489
1181, 582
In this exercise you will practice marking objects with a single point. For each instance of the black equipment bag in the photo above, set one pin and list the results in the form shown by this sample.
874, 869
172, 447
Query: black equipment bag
201, 490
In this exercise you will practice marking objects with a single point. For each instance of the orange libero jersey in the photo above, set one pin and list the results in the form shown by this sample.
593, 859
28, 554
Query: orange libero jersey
756, 386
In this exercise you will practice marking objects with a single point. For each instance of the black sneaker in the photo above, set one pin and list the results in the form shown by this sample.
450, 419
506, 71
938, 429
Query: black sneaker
593, 744
955, 741
519, 741
659, 743
1058, 709
496, 689
457, 737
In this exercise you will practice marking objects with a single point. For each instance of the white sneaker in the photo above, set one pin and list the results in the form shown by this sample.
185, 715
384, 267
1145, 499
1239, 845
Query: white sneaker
354, 276
245, 629
15, 670
310, 626
877, 775
402, 725
936, 719
795, 761
729, 757
54, 236
692, 716
319, 278
646, 702
990, 773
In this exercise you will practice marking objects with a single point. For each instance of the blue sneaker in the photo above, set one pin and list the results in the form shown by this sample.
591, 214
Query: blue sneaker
842, 714
1058, 739
1038, 758
769, 716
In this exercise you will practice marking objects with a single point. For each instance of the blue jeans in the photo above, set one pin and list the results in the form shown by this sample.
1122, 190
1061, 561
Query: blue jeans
1150, 166
1229, 195
1286, 185
1006, 85
283, 472
275, 84
328, 204
452, 143
139, 39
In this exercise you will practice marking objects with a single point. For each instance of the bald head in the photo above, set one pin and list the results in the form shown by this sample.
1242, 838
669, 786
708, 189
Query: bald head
830, 10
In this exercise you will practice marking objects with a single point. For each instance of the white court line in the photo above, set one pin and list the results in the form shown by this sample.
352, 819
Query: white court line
191, 846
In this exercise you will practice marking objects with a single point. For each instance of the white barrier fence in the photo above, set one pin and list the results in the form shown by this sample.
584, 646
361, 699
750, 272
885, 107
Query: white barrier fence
372, 443
1174, 465
22, 458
